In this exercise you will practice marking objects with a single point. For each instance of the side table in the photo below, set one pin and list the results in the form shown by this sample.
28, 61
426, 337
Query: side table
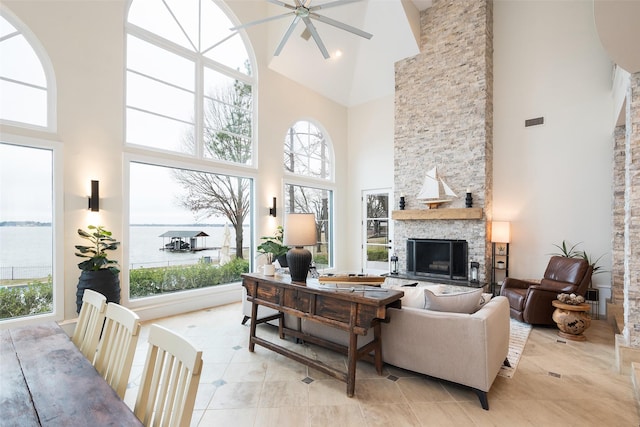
572, 320
592, 298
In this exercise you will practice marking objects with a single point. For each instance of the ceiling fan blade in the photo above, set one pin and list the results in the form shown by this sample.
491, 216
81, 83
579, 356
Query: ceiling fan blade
316, 37
260, 21
281, 3
331, 4
341, 25
286, 36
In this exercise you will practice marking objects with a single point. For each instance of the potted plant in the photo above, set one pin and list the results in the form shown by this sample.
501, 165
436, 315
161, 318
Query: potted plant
99, 273
573, 252
273, 249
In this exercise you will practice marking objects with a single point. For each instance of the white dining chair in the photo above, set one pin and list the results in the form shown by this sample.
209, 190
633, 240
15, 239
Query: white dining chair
117, 346
90, 321
169, 380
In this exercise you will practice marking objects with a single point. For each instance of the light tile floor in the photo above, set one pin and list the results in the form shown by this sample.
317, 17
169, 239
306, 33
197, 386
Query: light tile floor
557, 383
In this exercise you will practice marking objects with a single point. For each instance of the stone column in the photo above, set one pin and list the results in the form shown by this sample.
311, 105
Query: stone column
632, 216
617, 239
444, 118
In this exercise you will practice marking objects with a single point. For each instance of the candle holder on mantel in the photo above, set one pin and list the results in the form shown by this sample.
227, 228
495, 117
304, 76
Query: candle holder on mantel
468, 201
402, 203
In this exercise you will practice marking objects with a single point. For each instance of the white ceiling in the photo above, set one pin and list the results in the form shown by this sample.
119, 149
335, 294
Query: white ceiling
618, 26
365, 71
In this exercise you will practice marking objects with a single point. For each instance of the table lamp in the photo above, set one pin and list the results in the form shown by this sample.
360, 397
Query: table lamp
299, 231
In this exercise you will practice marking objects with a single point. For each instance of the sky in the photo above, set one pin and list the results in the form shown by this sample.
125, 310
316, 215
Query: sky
26, 194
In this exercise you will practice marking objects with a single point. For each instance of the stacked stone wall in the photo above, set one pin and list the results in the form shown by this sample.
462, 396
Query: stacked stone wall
632, 215
444, 118
617, 255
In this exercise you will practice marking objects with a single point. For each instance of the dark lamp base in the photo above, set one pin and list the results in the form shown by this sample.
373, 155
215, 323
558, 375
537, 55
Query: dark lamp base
299, 260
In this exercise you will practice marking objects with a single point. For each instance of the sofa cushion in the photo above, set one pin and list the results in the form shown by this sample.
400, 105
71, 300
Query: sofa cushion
464, 302
413, 296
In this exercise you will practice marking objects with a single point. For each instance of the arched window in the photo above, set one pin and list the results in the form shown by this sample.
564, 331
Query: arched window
307, 152
26, 77
189, 94
308, 162
189, 81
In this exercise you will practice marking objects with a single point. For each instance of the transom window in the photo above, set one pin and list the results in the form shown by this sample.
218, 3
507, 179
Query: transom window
24, 83
189, 81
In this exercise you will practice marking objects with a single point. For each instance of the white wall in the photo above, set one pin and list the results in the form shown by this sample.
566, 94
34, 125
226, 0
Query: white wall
371, 130
85, 41
553, 182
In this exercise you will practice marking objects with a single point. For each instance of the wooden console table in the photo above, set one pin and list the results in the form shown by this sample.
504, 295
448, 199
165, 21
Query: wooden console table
353, 311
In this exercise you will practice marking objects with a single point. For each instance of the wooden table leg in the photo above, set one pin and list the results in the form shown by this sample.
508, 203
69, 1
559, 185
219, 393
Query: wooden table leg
377, 352
352, 353
252, 329
351, 363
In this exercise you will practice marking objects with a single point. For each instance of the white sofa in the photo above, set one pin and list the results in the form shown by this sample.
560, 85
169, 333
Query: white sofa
466, 349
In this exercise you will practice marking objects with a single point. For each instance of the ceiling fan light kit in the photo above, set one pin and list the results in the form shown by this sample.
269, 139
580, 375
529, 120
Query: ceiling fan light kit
302, 10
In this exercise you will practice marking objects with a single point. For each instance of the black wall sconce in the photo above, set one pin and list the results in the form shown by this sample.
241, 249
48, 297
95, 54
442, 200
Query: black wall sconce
272, 210
94, 199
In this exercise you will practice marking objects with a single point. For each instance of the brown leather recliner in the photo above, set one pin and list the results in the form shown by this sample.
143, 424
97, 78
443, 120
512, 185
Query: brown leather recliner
530, 302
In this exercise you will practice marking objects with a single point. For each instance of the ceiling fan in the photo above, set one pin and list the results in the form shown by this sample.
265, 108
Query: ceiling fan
302, 10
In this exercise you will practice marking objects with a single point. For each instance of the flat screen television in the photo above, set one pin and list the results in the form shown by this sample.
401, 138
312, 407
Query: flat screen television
440, 258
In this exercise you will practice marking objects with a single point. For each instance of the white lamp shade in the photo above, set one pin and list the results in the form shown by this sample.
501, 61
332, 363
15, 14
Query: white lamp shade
299, 229
500, 232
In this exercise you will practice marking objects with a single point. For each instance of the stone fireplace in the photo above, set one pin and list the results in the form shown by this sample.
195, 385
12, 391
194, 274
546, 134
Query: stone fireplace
437, 259
443, 118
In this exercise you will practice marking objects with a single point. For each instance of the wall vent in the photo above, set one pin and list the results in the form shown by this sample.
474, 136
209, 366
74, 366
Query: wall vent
534, 122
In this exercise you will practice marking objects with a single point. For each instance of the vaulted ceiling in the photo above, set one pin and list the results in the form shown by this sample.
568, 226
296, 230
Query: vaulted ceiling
365, 69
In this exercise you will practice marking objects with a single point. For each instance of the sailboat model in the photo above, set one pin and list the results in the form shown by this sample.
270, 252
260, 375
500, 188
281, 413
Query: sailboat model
434, 190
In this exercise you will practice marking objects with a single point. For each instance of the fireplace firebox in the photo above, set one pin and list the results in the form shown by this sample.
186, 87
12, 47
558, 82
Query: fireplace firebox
438, 258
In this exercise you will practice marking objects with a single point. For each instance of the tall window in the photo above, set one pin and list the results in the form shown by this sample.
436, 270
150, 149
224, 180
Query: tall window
308, 155
189, 81
188, 229
190, 94
26, 231
27, 90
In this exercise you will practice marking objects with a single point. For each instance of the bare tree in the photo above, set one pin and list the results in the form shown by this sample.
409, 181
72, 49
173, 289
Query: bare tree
227, 136
377, 207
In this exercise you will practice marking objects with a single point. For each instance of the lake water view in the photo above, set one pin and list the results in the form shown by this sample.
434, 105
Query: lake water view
30, 246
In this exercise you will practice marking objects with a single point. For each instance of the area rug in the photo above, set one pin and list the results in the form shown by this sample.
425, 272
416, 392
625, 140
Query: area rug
517, 340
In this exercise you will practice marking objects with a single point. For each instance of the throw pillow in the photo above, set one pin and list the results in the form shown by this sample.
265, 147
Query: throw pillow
484, 298
465, 302
413, 296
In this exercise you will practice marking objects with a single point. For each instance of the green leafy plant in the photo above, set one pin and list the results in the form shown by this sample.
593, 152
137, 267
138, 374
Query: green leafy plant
593, 263
570, 251
96, 254
272, 246
566, 251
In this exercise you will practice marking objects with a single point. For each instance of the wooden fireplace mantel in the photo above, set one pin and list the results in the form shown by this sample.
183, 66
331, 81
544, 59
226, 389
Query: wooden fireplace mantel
441, 213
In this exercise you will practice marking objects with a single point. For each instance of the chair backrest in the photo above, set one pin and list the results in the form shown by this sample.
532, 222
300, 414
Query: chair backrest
117, 346
568, 274
169, 381
90, 322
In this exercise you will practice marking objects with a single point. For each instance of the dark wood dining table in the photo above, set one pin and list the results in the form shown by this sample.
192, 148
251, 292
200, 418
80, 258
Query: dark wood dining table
46, 381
